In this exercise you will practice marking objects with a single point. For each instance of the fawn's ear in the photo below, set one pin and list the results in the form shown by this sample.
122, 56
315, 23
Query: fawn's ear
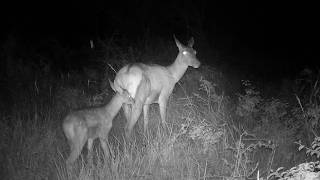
112, 86
128, 97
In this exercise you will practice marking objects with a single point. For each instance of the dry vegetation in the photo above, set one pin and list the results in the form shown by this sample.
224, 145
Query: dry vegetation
214, 130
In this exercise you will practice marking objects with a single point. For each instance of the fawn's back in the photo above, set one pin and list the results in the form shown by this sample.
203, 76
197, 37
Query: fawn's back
90, 121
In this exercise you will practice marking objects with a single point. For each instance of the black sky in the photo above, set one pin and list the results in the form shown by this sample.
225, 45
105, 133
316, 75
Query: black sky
283, 32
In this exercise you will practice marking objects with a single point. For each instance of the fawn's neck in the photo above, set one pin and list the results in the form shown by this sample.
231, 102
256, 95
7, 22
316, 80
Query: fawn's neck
114, 106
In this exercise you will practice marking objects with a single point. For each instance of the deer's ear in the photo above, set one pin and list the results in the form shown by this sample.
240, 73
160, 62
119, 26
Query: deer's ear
112, 85
191, 42
179, 45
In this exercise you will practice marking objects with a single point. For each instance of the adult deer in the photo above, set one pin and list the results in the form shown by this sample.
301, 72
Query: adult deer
149, 84
88, 124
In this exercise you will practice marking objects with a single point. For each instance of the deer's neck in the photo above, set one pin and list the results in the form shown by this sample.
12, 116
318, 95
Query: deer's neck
177, 68
114, 106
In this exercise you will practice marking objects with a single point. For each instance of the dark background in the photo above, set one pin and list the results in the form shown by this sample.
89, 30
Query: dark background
270, 38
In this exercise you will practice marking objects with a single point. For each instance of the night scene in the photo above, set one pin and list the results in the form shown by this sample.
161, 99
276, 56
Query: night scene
159, 90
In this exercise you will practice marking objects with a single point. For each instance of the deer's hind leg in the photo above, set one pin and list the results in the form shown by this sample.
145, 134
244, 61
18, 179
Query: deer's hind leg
127, 109
90, 152
143, 92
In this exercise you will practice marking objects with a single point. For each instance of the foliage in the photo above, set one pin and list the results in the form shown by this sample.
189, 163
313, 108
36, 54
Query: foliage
315, 147
209, 133
308, 170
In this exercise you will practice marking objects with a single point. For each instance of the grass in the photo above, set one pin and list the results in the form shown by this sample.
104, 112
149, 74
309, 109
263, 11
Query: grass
210, 134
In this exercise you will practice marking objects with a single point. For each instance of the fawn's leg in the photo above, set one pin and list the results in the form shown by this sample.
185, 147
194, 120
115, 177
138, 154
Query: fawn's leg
76, 146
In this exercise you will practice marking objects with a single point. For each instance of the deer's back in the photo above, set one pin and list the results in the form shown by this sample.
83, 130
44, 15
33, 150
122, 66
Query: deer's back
130, 76
159, 76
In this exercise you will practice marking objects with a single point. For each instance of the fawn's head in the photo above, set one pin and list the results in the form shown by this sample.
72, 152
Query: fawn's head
127, 98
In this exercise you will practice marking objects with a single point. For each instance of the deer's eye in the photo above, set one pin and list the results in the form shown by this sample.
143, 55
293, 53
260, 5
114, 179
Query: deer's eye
185, 52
